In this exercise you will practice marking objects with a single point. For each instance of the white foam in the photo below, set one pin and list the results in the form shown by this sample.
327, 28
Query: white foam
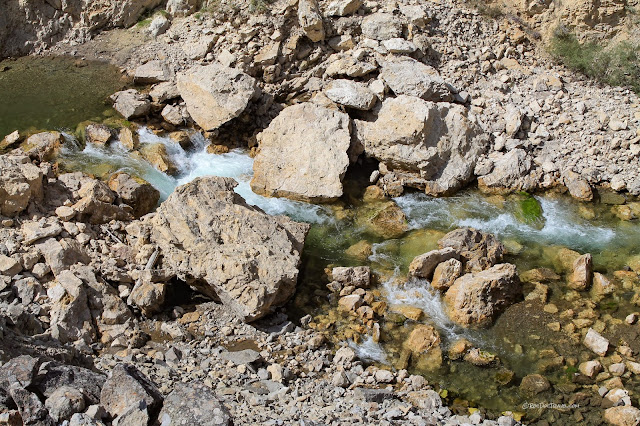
562, 225
368, 350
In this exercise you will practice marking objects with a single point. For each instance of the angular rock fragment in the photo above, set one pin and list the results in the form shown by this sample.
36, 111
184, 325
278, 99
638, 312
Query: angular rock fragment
303, 154
231, 251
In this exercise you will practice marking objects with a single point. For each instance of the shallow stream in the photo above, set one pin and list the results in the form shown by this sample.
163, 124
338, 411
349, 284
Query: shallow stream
520, 338
342, 235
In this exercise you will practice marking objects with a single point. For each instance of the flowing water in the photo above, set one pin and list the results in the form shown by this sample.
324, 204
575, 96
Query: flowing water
55, 92
48, 93
520, 337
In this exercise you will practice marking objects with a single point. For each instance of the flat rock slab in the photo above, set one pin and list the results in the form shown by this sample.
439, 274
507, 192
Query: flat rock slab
215, 94
227, 249
303, 154
406, 76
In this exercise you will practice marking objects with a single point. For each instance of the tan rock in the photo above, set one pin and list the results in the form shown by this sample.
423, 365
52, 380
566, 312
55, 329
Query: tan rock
622, 416
475, 299
136, 192
424, 345
215, 94
149, 297
578, 187
227, 249
157, 155
43, 146
446, 273
388, 221
310, 20
478, 250
423, 266
303, 154
435, 143
98, 134
20, 183
582, 274
350, 303
360, 250
129, 139
411, 312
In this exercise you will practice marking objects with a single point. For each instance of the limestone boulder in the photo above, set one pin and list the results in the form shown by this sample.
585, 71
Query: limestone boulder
303, 154
381, 26
20, 183
215, 94
70, 315
211, 238
351, 94
98, 134
407, 76
136, 192
446, 273
508, 172
131, 103
438, 144
43, 146
158, 156
623, 415
125, 386
155, 71
476, 299
310, 20
478, 250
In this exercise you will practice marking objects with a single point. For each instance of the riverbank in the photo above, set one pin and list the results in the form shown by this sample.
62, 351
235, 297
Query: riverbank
470, 103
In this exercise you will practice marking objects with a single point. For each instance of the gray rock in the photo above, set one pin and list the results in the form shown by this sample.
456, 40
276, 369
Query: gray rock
155, 71
126, 385
64, 402
193, 404
243, 357
32, 410
373, 395
136, 415
228, 249
303, 154
406, 76
351, 94
131, 103
381, 26
478, 250
98, 134
215, 94
82, 419
53, 375
508, 171
159, 25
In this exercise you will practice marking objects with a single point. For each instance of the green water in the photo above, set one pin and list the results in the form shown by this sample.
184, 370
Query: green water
46, 93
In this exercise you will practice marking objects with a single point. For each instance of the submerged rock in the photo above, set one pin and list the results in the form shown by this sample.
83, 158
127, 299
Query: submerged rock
476, 299
582, 273
215, 94
228, 249
424, 345
437, 144
303, 154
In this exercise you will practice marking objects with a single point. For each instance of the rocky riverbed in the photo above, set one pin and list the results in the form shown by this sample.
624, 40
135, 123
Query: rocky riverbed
255, 236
